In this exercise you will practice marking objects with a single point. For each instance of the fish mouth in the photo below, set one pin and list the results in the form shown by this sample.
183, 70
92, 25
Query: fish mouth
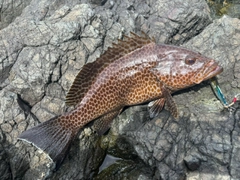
213, 70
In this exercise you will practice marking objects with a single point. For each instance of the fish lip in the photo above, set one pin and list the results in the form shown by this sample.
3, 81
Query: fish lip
213, 70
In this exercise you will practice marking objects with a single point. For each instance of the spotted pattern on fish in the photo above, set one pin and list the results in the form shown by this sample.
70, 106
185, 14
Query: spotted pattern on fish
134, 71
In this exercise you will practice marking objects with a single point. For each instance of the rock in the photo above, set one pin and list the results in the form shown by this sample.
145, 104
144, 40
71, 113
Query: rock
192, 162
126, 170
44, 48
170, 22
220, 8
205, 129
10, 10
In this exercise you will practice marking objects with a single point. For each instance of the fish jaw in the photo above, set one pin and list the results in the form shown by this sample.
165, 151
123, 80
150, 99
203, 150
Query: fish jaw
215, 70
211, 69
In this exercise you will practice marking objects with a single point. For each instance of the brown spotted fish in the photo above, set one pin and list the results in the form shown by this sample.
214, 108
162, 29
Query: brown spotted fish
134, 71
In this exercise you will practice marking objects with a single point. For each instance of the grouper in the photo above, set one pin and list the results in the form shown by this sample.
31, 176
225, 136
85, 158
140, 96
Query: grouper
133, 71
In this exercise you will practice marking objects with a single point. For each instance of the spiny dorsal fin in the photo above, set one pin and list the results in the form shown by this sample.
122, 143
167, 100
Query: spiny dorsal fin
89, 72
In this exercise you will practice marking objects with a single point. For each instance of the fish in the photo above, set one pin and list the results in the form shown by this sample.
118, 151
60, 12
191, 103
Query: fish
133, 71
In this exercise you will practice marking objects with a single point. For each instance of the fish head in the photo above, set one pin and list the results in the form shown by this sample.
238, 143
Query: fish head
182, 68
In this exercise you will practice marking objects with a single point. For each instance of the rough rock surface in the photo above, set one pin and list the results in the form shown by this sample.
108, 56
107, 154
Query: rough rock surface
43, 49
9, 10
206, 137
224, 7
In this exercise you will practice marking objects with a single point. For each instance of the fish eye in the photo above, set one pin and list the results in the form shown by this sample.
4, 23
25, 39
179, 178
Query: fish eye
190, 61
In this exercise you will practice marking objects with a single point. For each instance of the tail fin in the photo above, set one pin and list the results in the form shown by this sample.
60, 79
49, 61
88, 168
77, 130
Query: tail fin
52, 138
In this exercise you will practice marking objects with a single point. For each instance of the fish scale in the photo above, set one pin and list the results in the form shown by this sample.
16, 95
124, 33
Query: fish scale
134, 71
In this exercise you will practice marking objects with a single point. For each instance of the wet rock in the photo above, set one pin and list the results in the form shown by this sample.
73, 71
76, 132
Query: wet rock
44, 48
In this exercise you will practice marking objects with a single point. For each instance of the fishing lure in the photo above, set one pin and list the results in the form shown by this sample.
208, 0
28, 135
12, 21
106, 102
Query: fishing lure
218, 92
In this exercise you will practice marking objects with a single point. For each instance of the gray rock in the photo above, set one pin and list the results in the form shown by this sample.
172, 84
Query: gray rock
10, 10
192, 162
125, 169
222, 7
205, 130
43, 49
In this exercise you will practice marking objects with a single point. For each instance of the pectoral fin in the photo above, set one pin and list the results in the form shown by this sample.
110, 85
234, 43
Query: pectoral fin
155, 107
102, 124
170, 103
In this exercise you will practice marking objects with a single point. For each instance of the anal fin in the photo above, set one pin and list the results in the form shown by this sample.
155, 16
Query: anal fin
155, 107
102, 124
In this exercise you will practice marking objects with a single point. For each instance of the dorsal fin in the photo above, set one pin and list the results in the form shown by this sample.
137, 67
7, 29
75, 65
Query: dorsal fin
89, 72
